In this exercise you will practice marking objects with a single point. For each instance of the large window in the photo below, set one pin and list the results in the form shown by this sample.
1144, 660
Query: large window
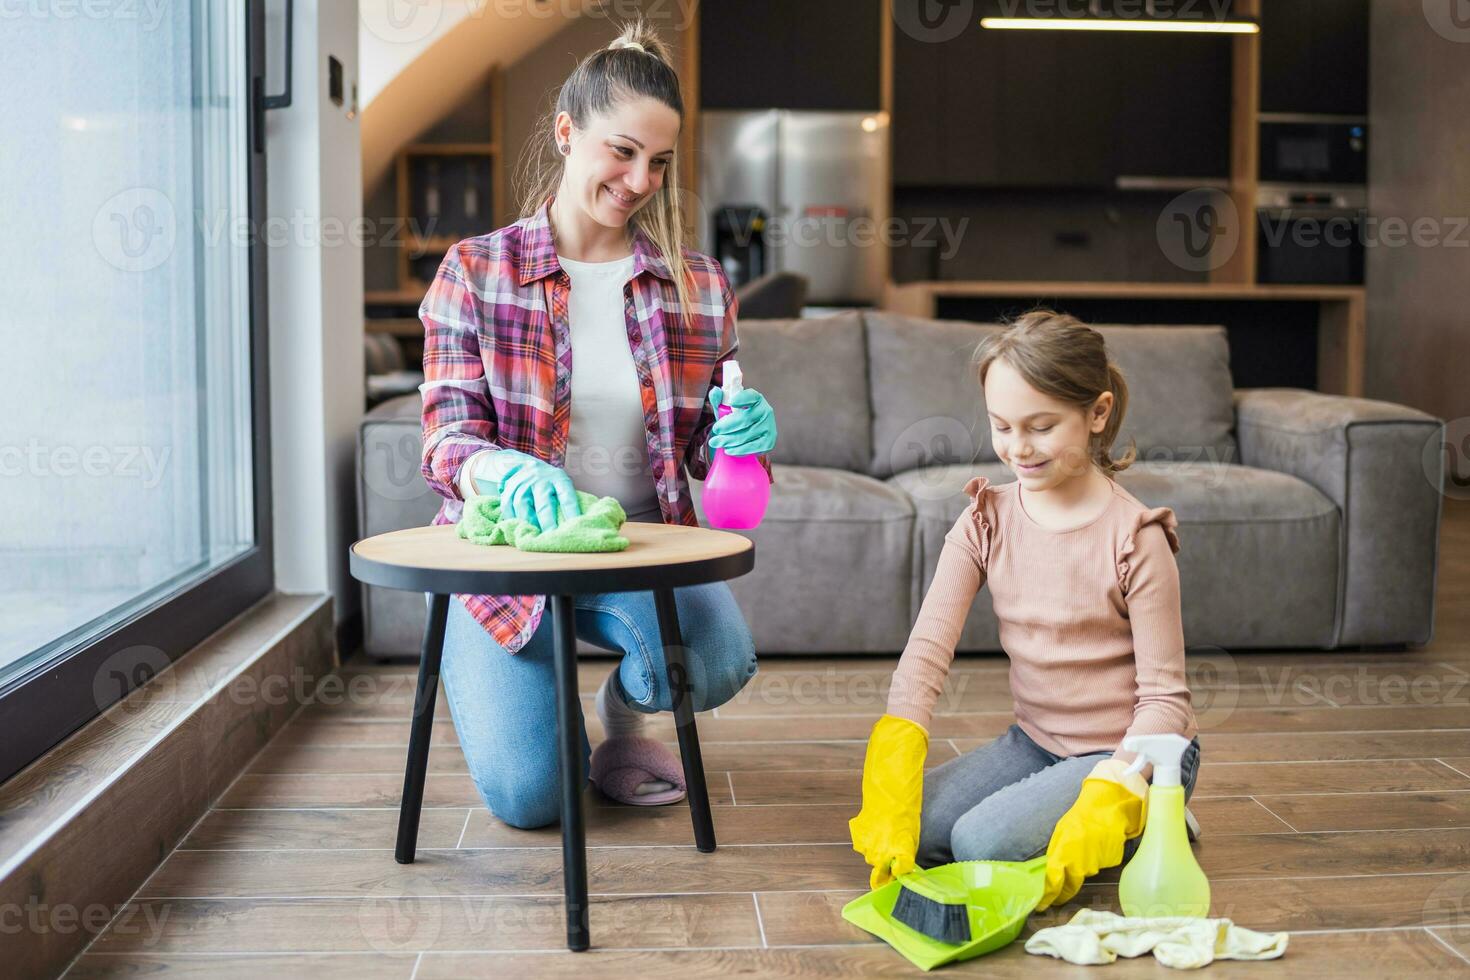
131, 417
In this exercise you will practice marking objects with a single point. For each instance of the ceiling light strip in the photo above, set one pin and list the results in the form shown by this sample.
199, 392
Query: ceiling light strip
1100, 24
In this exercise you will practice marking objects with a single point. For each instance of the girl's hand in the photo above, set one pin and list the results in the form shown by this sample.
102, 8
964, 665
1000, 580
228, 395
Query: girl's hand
750, 429
1090, 835
886, 832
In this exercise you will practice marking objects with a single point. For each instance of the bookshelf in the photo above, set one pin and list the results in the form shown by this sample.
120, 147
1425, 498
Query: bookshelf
445, 192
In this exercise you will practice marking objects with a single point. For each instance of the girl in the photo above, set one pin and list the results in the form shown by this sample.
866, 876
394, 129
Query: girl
1085, 587
575, 349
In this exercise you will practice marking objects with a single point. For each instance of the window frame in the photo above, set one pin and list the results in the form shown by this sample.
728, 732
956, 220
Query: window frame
43, 706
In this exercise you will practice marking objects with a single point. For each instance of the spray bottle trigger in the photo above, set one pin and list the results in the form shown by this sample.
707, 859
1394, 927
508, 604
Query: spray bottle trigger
1139, 761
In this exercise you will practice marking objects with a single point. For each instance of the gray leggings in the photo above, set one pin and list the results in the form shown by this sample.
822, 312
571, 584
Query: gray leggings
1001, 801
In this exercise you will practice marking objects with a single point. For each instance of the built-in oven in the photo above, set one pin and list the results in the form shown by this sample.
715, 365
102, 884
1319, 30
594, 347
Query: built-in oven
1310, 234
1328, 150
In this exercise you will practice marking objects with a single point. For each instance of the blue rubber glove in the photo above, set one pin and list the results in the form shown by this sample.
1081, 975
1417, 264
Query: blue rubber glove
750, 429
536, 491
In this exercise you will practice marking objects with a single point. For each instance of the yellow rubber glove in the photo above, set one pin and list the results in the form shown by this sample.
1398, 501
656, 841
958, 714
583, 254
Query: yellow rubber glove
1090, 836
886, 831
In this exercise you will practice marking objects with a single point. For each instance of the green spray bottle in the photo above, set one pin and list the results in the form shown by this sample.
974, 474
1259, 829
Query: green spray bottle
1163, 879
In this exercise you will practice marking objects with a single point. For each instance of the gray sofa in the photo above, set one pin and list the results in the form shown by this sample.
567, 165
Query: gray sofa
1306, 520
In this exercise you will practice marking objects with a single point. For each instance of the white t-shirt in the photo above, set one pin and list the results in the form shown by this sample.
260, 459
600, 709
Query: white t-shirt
607, 451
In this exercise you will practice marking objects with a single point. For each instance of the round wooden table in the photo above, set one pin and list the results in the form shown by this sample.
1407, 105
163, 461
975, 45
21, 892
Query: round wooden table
659, 557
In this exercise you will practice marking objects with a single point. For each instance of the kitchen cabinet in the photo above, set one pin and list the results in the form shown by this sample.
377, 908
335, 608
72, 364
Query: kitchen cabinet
1314, 57
776, 54
1059, 109
916, 127
1172, 111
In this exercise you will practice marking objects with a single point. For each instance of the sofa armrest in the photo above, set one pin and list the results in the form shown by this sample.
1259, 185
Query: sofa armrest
1367, 457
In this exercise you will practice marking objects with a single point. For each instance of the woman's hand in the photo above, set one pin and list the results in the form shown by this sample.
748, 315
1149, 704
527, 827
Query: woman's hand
886, 832
750, 429
536, 491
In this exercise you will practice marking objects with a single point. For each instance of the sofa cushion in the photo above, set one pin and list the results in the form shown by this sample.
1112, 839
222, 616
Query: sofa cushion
815, 373
1258, 557
1181, 400
392, 494
833, 564
927, 405
928, 408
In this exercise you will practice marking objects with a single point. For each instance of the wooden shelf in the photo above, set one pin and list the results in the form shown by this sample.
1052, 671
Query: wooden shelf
904, 294
1245, 124
451, 149
1342, 328
416, 246
420, 244
390, 297
397, 326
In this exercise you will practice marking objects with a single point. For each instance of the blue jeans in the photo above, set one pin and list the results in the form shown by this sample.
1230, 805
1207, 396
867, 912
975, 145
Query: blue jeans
1001, 801
504, 705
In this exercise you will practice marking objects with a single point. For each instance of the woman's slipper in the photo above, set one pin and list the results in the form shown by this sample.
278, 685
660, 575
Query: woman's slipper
623, 763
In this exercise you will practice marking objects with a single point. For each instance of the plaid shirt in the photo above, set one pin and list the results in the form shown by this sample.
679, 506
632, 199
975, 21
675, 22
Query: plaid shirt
498, 373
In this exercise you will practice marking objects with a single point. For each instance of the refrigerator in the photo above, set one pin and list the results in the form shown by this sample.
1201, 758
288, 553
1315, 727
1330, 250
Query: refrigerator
793, 191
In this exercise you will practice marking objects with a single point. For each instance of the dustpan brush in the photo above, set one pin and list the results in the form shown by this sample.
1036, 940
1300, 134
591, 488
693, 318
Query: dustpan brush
925, 909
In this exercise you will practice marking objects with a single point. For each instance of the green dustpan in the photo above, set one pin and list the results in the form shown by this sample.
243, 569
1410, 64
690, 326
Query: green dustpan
999, 894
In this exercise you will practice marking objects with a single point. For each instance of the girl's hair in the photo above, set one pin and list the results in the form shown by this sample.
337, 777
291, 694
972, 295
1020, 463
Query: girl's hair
606, 78
1061, 356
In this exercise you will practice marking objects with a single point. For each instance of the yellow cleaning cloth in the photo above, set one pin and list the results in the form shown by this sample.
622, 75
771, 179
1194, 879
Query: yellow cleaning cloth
1096, 937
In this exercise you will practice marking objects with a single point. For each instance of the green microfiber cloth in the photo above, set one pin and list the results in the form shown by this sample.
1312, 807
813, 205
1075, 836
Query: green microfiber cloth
595, 529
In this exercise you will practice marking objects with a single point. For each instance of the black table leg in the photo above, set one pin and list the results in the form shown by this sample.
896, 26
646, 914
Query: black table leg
569, 730
678, 671
421, 731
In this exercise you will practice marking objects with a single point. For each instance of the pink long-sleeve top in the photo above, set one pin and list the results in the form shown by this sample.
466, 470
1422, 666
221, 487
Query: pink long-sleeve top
1089, 617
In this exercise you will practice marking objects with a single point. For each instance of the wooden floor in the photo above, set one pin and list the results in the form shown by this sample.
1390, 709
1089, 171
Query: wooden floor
1334, 796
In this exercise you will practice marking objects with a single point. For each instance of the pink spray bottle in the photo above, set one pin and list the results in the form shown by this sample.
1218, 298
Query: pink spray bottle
737, 488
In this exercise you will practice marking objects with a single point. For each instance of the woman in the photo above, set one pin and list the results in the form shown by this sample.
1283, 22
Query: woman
577, 349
